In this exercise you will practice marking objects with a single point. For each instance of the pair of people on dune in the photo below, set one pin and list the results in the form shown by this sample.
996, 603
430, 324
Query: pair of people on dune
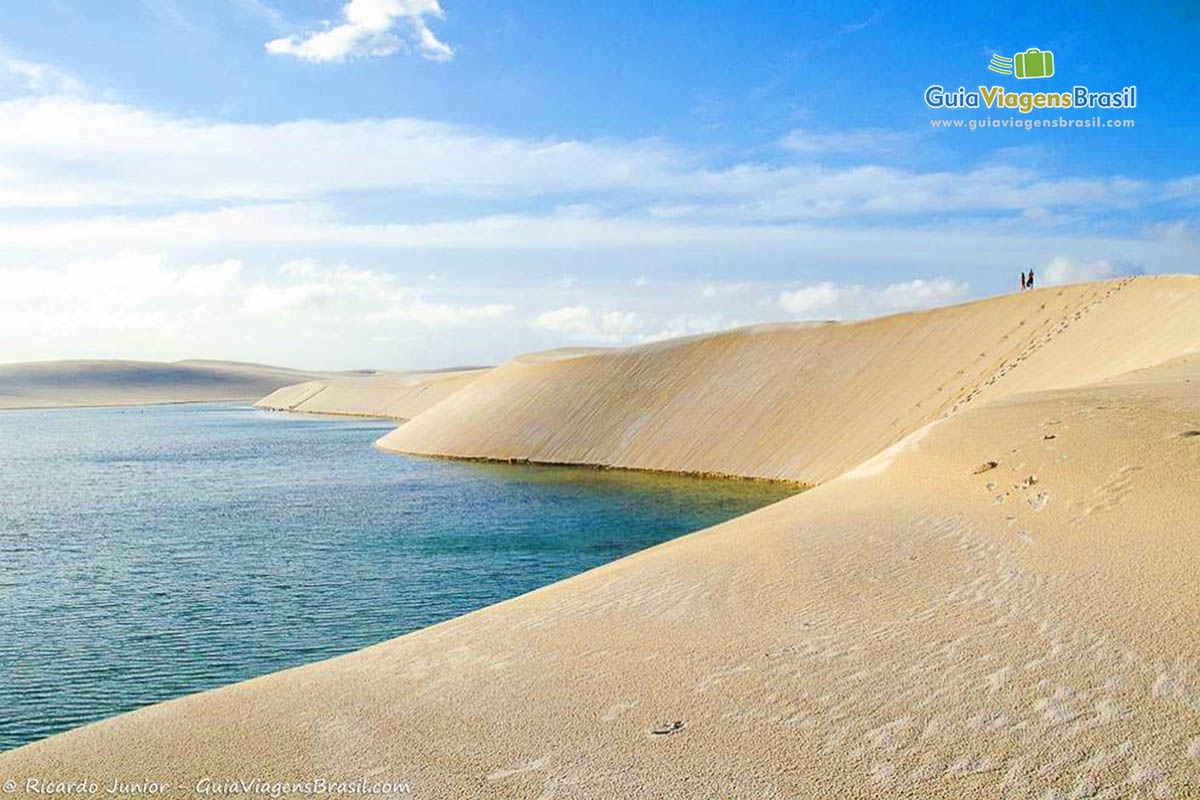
1027, 280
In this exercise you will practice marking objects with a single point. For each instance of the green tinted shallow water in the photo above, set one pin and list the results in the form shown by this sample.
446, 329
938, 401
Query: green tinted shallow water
147, 553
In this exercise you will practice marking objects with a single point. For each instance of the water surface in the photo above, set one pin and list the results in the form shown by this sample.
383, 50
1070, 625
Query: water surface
146, 553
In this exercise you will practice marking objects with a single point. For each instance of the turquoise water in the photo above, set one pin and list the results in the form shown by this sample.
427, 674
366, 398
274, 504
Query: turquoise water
146, 553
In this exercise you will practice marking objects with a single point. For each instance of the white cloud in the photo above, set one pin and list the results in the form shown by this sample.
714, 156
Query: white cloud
72, 152
1063, 269
64, 151
36, 78
640, 220
368, 30
1180, 232
584, 324
849, 141
689, 324
138, 303
828, 300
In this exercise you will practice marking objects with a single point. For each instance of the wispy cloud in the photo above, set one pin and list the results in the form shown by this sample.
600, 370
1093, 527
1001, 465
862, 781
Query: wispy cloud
369, 29
860, 141
262, 11
31, 77
853, 27
67, 151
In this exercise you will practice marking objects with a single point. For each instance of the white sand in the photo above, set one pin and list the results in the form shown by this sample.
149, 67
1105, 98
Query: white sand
923, 626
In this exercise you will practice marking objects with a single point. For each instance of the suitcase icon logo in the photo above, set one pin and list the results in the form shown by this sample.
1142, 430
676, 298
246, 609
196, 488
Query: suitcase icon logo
1033, 63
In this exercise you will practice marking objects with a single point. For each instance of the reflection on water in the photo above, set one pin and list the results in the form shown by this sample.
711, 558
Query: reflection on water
146, 553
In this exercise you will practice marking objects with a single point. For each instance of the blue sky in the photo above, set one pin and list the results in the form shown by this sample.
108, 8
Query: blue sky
415, 183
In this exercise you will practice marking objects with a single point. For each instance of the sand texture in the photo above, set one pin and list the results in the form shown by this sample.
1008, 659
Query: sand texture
396, 395
1002, 601
56, 384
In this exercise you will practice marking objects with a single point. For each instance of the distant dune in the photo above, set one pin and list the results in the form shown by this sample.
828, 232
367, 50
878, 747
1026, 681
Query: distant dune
993, 592
50, 384
397, 395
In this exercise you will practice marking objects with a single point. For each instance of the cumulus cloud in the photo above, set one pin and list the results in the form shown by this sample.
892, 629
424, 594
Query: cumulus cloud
1064, 269
828, 300
368, 30
582, 323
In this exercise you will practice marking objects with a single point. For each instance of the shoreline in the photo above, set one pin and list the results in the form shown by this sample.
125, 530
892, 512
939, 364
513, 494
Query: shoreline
150, 404
714, 476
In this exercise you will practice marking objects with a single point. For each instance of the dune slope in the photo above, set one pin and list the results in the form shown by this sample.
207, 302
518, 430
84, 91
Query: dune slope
51, 384
397, 395
805, 402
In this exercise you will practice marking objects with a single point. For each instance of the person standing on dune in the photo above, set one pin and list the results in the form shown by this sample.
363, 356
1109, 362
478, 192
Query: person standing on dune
1029, 283
1022, 280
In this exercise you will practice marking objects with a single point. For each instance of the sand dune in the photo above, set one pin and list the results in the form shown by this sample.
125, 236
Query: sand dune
805, 402
51, 384
397, 395
993, 593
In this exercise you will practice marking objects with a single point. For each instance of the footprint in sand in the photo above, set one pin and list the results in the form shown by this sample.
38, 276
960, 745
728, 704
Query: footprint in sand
1039, 502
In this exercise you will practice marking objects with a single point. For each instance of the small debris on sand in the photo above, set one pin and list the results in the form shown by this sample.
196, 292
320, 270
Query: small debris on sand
984, 467
663, 728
